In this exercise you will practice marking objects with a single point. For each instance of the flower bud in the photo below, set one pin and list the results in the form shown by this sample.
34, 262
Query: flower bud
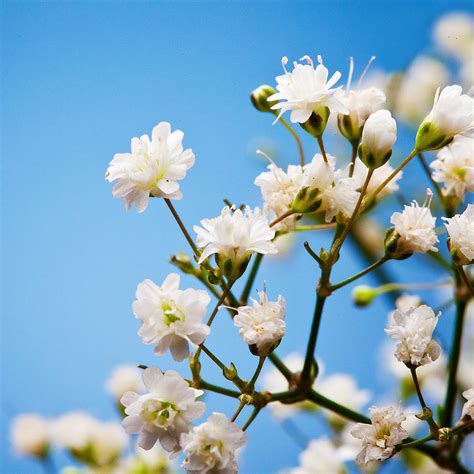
393, 246
259, 98
349, 127
183, 262
316, 124
232, 268
378, 137
306, 201
363, 295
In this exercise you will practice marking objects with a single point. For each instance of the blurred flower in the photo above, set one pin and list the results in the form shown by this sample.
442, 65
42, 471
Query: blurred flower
30, 435
72, 430
415, 228
262, 325
154, 461
455, 167
414, 329
107, 442
234, 236
461, 235
124, 378
153, 168
454, 33
468, 407
211, 446
320, 457
164, 412
306, 90
171, 318
381, 436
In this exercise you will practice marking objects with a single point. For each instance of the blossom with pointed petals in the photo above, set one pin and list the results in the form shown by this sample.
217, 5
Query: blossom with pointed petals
164, 412
415, 228
124, 378
320, 457
234, 236
381, 436
414, 331
306, 90
468, 407
455, 167
153, 168
30, 435
461, 235
171, 318
262, 325
211, 446
452, 114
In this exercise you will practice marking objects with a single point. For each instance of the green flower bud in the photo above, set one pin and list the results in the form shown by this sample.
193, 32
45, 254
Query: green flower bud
392, 249
231, 268
259, 98
363, 295
316, 124
429, 138
349, 127
307, 200
458, 257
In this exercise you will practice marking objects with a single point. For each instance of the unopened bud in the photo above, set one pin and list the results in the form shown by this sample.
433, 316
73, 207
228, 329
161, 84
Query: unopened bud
246, 398
429, 137
426, 414
259, 98
349, 127
306, 201
230, 373
363, 295
444, 434
183, 262
392, 247
232, 268
316, 124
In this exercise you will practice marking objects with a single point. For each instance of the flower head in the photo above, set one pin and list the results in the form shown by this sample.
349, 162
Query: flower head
455, 167
124, 378
164, 412
461, 235
234, 236
414, 331
30, 435
211, 446
306, 90
468, 407
381, 436
454, 33
153, 168
415, 228
452, 114
262, 325
171, 318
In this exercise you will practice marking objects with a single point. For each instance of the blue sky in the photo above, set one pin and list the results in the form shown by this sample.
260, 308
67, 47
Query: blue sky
79, 80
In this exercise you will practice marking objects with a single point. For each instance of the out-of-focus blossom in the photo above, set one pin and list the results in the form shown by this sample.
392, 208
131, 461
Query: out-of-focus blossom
30, 435
124, 378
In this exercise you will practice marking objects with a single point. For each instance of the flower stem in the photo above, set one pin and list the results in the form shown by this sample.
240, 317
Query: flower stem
221, 301
296, 137
213, 357
303, 228
253, 273
252, 417
426, 168
433, 426
465, 279
251, 384
415, 443
280, 218
237, 412
182, 227
369, 269
355, 146
215, 388
278, 363
323, 150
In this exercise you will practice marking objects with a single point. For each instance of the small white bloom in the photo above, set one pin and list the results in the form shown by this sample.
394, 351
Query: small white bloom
72, 430
262, 325
461, 233
452, 114
171, 318
305, 90
468, 407
415, 227
124, 378
343, 389
320, 457
211, 446
107, 442
234, 236
30, 435
164, 412
153, 168
279, 190
414, 329
154, 461
454, 33
381, 436
378, 137
455, 167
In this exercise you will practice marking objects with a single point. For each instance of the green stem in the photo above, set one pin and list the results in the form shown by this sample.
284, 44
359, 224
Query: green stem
211, 356
252, 417
224, 295
427, 170
415, 443
251, 384
253, 273
296, 137
370, 268
278, 396
217, 389
321, 147
355, 147
303, 228
465, 279
237, 412
278, 363
283, 216
433, 426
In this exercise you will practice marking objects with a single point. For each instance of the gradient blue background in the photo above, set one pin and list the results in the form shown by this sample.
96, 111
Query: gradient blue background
79, 80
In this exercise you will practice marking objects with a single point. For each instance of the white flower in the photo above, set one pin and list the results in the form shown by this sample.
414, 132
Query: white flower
164, 412
124, 378
234, 236
343, 389
414, 329
415, 227
72, 430
171, 318
461, 234
378, 177
381, 436
454, 33
378, 137
455, 167
404, 303
279, 190
414, 96
320, 457
154, 461
306, 90
107, 442
262, 325
468, 407
153, 168
211, 446
452, 114
30, 435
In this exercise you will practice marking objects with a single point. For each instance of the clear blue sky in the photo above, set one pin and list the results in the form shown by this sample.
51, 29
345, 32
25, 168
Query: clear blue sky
79, 80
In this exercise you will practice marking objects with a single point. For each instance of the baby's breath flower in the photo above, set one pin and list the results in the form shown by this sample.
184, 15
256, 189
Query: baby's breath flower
124, 378
30, 435
153, 168
468, 407
461, 235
